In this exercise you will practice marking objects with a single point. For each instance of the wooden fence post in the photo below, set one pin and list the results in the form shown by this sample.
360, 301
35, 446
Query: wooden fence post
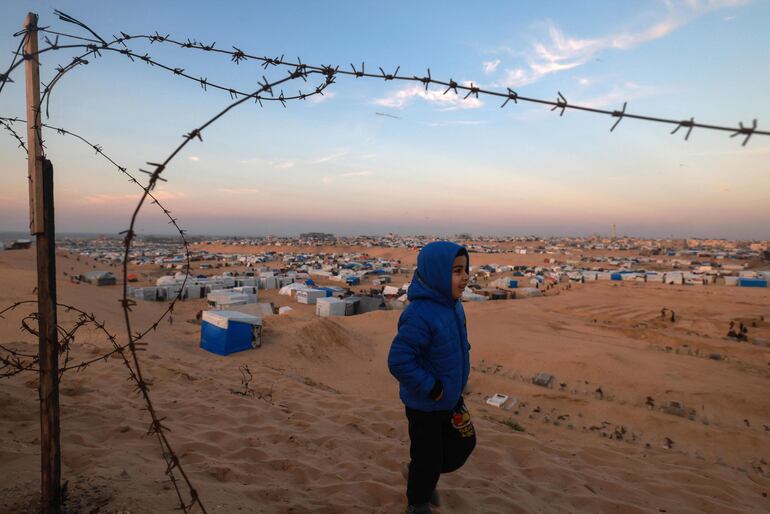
43, 227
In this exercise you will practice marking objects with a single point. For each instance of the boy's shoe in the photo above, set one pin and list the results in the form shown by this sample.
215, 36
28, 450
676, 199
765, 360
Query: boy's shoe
435, 499
423, 508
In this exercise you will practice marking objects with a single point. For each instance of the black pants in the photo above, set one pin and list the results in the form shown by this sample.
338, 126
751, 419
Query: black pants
441, 442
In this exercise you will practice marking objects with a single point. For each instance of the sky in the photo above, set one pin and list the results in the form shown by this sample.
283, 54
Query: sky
434, 163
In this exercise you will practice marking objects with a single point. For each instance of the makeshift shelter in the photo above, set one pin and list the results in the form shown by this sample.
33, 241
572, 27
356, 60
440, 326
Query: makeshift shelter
352, 305
193, 291
331, 306
226, 332
261, 310
166, 280
291, 289
100, 278
310, 296
470, 296
226, 298
526, 292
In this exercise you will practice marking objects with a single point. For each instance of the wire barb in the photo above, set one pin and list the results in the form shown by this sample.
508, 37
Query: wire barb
748, 131
561, 103
685, 123
619, 115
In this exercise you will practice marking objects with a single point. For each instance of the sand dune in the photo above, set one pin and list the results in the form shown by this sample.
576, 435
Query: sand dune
321, 428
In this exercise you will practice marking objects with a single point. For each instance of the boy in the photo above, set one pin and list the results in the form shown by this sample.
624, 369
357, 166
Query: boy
430, 359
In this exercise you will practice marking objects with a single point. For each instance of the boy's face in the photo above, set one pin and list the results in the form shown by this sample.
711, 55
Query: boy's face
459, 276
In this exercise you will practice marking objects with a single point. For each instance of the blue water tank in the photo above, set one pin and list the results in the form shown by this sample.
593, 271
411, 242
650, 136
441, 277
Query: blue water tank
752, 282
226, 332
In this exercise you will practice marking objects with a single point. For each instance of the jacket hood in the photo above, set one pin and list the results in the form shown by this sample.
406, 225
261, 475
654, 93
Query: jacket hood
433, 278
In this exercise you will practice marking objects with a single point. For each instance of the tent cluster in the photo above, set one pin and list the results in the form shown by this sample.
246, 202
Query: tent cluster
220, 290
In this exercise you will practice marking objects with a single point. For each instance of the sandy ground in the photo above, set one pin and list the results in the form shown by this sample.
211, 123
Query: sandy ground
324, 430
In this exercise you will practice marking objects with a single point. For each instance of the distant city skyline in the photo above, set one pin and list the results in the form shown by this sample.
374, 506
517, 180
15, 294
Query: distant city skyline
372, 157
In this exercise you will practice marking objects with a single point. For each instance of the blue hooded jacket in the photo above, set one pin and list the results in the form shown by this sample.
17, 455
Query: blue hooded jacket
432, 340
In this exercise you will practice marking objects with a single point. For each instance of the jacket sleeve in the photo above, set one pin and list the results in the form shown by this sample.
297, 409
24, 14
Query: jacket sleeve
403, 360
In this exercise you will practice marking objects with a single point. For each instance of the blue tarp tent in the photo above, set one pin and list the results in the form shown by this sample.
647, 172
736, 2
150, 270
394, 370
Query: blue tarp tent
513, 284
329, 291
226, 332
752, 282
353, 281
616, 276
309, 282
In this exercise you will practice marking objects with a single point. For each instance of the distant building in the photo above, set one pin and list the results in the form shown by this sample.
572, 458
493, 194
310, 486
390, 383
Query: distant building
18, 244
316, 235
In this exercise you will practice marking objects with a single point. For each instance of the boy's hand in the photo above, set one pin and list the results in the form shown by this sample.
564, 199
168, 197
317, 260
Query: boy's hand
437, 393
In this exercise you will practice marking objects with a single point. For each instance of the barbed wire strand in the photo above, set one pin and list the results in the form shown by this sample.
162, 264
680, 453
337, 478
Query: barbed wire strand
14, 362
157, 425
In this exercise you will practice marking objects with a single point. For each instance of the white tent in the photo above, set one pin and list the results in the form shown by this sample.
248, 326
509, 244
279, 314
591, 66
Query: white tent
288, 289
470, 296
166, 280
331, 306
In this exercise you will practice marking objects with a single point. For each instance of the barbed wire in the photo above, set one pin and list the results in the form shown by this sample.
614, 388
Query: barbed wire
7, 123
95, 45
13, 362
134, 339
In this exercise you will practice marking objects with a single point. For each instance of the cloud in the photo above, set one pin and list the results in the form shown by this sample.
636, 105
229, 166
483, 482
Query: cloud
194, 158
320, 98
560, 52
328, 157
104, 199
617, 95
450, 101
282, 165
584, 81
490, 66
238, 191
365, 173
278, 164
327, 180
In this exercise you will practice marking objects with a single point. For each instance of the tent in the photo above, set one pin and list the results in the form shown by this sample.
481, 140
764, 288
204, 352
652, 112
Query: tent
292, 288
100, 278
223, 298
226, 332
331, 306
261, 310
470, 296
309, 296
352, 304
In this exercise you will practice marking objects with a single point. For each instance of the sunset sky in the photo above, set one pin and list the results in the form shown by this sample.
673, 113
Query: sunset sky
436, 163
